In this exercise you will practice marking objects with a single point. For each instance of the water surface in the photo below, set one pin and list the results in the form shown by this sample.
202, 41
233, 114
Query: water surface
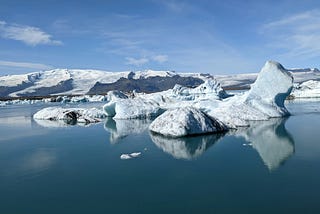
271, 167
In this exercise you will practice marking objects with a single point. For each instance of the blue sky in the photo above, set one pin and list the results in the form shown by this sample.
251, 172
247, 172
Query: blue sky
217, 37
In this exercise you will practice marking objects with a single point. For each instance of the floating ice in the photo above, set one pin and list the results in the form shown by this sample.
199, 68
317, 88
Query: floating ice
264, 100
185, 121
152, 105
308, 89
129, 156
70, 115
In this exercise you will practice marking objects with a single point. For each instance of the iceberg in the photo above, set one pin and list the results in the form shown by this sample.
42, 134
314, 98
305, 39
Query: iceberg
129, 156
180, 122
308, 89
152, 105
263, 101
70, 115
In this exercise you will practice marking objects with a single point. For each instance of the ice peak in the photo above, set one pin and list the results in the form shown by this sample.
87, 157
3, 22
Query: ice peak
270, 64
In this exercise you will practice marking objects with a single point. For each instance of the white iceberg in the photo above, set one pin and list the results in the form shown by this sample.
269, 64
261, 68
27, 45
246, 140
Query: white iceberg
308, 89
264, 100
185, 121
70, 115
152, 105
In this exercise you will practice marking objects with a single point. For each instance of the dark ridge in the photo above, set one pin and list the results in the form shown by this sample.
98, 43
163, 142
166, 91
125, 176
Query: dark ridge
5, 91
147, 85
63, 86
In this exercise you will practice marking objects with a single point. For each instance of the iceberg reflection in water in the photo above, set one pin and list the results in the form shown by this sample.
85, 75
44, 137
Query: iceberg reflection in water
119, 129
271, 140
185, 147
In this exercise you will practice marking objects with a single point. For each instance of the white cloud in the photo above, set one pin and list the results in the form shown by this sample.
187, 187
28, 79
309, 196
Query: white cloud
37, 66
27, 34
136, 62
160, 58
298, 34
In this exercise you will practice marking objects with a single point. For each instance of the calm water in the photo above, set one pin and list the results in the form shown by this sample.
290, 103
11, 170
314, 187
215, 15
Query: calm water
271, 167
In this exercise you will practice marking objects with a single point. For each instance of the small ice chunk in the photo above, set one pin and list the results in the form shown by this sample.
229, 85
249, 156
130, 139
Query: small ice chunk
135, 154
129, 156
125, 157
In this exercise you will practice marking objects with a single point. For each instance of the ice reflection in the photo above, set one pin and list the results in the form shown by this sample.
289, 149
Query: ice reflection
187, 147
271, 140
119, 129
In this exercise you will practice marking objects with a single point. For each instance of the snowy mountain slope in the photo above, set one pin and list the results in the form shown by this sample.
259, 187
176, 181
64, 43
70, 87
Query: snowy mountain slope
75, 81
80, 81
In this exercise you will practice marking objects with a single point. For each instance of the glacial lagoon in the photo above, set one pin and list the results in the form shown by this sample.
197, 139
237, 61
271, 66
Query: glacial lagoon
50, 167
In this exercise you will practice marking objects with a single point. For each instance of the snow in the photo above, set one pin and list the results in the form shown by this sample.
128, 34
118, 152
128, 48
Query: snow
185, 121
70, 115
14, 80
308, 89
82, 79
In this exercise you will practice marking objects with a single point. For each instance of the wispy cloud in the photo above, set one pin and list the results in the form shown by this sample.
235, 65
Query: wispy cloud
144, 60
37, 66
29, 35
298, 34
136, 62
174, 5
160, 58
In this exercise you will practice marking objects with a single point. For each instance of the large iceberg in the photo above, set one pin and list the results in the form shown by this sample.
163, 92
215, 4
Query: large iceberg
152, 105
180, 122
264, 100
